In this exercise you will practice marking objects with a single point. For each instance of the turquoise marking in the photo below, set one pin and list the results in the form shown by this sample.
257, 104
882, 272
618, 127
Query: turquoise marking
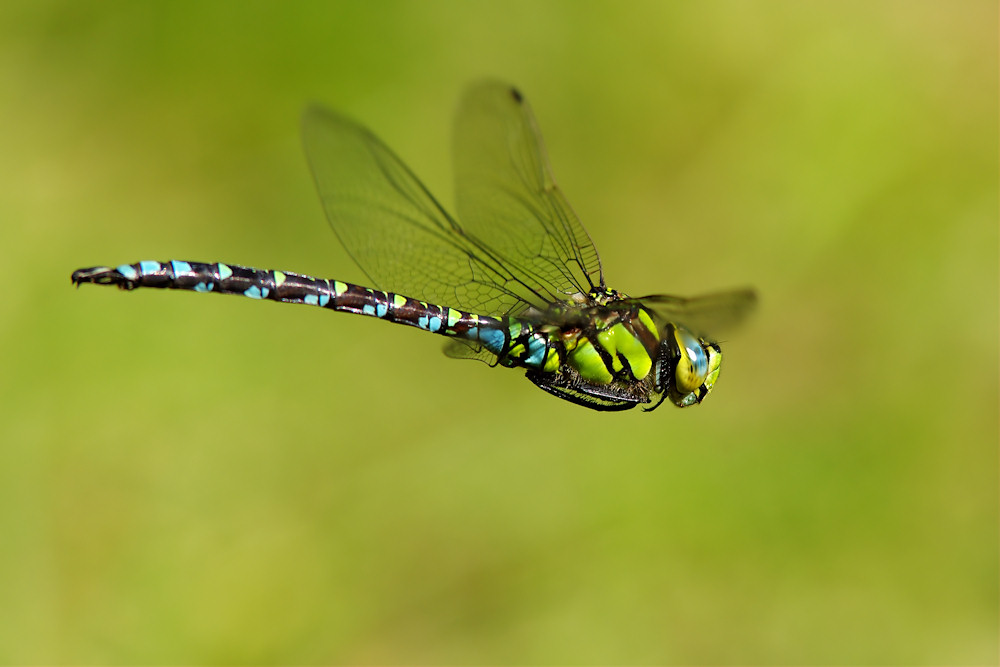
472, 333
493, 340
381, 309
536, 351
148, 267
224, 271
180, 267
310, 300
323, 300
128, 271
435, 324
204, 287
255, 292
422, 321
515, 329
368, 309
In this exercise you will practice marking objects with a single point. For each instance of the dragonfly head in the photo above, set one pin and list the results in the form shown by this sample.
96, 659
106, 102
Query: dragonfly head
687, 366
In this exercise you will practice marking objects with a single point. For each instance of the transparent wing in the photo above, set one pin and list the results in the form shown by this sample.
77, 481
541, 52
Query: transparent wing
709, 315
507, 196
463, 349
394, 228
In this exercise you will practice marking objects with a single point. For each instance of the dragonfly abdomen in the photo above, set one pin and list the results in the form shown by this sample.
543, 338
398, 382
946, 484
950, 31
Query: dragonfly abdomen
288, 287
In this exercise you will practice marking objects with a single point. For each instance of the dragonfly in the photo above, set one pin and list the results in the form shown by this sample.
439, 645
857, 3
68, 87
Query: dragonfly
513, 279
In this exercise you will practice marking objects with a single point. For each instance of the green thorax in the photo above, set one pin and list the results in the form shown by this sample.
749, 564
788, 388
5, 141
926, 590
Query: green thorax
600, 342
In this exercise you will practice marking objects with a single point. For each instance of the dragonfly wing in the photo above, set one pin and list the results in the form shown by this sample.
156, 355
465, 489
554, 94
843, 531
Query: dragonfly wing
507, 196
395, 230
708, 315
464, 349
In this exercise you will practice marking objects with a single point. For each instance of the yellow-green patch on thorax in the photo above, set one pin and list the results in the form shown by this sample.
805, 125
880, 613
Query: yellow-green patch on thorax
621, 343
588, 362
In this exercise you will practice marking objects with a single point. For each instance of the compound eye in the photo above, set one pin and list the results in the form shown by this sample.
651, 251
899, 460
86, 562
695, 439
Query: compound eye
692, 367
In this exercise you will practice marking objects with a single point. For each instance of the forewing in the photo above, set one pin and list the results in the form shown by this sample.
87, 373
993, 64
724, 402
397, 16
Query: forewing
393, 227
709, 315
508, 199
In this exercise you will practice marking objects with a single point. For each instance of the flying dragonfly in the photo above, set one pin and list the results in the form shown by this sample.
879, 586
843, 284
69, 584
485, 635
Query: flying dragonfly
514, 279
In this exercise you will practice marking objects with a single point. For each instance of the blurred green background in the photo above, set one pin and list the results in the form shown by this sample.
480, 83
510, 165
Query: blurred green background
191, 479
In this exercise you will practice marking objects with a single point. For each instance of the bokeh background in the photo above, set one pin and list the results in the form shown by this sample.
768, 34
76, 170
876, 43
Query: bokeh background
193, 479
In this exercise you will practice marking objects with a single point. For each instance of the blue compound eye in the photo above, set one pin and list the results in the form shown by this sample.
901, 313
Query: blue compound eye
692, 367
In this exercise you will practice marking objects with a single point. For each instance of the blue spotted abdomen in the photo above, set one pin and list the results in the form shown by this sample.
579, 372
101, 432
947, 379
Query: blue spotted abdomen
490, 332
